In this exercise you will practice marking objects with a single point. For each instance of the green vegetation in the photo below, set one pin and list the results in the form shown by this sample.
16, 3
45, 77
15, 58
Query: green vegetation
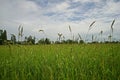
3, 36
60, 62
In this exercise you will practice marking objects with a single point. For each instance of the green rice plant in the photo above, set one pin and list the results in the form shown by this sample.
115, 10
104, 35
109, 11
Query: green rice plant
65, 62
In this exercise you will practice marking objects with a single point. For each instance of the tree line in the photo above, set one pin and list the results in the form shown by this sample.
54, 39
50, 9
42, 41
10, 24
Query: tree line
31, 40
3, 36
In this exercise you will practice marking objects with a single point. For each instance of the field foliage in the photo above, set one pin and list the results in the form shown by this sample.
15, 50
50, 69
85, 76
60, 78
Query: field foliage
60, 62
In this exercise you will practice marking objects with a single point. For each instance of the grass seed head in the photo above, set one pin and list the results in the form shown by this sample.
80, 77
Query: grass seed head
91, 24
112, 25
70, 29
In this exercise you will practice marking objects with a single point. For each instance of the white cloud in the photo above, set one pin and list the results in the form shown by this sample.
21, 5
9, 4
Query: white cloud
112, 7
32, 17
62, 7
83, 1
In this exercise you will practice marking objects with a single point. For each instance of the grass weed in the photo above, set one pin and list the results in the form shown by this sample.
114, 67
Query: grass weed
60, 62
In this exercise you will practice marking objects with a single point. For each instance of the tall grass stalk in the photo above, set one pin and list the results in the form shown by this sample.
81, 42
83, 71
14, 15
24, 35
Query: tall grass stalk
90, 27
60, 36
41, 30
60, 62
112, 28
79, 36
20, 32
101, 32
72, 37
92, 38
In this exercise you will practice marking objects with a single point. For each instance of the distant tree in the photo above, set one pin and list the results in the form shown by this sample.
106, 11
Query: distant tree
3, 36
63, 42
41, 41
44, 41
34, 40
1, 40
1, 33
30, 40
13, 38
81, 41
47, 41
69, 41
57, 42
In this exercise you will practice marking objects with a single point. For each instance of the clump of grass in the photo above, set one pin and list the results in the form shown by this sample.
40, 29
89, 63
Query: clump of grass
53, 62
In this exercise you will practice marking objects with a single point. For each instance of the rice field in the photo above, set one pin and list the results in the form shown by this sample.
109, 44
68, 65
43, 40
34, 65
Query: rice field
60, 62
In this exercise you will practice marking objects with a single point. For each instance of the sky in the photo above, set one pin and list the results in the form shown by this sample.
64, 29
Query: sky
55, 16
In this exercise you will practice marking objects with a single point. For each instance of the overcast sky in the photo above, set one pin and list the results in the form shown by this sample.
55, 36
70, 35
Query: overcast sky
55, 16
